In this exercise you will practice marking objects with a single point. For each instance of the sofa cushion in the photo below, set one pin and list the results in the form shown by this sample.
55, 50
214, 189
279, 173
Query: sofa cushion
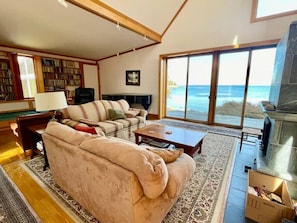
66, 133
168, 155
109, 126
115, 114
149, 168
94, 111
116, 105
130, 121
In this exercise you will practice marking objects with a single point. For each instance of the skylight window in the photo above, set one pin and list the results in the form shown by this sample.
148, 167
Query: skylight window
268, 9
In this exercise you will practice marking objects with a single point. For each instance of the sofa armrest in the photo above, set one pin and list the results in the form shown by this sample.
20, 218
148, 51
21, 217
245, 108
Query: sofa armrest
180, 172
142, 112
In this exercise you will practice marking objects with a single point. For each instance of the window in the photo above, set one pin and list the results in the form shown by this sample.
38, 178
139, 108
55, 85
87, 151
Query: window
27, 76
222, 87
268, 9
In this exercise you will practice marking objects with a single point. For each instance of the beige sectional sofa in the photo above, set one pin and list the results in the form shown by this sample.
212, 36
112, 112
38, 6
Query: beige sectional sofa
106, 116
115, 180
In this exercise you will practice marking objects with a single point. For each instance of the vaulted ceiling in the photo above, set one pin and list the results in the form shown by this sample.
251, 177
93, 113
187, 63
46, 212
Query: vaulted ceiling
89, 29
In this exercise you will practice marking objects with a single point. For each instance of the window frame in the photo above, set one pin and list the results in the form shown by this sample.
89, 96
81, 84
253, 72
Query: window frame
254, 13
20, 75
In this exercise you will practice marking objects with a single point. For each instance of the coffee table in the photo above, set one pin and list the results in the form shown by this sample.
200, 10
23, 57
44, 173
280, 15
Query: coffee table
189, 140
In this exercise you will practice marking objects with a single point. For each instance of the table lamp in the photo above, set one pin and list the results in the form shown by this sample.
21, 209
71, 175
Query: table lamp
50, 101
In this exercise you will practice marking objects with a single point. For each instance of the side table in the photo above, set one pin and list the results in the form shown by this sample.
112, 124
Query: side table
36, 134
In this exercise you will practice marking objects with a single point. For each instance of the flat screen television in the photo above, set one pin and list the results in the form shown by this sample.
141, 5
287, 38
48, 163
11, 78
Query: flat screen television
83, 95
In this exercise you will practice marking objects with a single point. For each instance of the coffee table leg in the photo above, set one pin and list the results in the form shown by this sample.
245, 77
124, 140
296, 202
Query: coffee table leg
200, 147
137, 138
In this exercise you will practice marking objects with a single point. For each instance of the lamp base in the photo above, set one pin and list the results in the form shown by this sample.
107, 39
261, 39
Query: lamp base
53, 119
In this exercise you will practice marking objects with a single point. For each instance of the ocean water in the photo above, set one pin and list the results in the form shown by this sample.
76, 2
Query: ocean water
198, 96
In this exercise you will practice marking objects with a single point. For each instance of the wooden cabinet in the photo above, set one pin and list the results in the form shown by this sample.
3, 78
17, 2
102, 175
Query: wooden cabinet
60, 74
6, 81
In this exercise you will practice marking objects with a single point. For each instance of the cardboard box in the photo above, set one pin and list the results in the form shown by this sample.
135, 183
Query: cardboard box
266, 211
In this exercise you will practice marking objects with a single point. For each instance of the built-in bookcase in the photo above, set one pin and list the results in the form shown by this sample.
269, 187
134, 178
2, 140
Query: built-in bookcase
6, 81
60, 74
72, 73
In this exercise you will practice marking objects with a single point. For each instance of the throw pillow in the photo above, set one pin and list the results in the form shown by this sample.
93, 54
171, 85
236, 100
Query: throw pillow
116, 114
87, 129
132, 113
168, 155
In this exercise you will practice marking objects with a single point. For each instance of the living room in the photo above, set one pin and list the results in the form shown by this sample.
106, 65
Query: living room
228, 22
210, 27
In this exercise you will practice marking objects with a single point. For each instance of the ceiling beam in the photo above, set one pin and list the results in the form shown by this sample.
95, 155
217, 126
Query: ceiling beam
105, 11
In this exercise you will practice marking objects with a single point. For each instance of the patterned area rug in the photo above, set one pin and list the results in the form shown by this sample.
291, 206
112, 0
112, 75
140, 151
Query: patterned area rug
202, 127
203, 199
13, 206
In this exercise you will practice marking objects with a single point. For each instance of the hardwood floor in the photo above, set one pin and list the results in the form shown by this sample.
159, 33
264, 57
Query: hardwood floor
44, 205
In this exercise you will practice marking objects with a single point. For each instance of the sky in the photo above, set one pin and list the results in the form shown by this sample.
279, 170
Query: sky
232, 68
271, 7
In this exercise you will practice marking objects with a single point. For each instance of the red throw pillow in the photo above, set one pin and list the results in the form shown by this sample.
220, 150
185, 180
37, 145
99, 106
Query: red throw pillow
87, 129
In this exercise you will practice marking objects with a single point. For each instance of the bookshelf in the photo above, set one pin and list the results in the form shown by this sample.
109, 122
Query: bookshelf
6, 81
61, 74
72, 73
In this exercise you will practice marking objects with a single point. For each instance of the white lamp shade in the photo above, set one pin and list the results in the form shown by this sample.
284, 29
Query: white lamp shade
49, 101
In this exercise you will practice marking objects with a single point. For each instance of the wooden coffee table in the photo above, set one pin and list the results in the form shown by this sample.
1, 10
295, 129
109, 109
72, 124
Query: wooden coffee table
189, 140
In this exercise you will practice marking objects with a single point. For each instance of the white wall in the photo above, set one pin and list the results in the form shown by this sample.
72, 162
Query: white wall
200, 25
91, 78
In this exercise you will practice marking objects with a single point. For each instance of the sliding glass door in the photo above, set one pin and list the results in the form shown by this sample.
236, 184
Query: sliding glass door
177, 69
199, 78
260, 76
222, 88
188, 87
231, 87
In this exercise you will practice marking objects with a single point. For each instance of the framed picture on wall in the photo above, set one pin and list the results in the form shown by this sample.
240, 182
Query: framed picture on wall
133, 77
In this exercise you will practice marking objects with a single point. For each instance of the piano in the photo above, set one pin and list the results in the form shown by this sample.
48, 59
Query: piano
144, 99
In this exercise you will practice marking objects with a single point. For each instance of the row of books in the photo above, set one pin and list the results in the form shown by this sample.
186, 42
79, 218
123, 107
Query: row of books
5, 75
57, 63
60, 70
53, 76
7, 96
73, 82
52, 69
3, 66
51, 62
6, 81
71, 71
54, 88
61, 76
70, 64
74, 76
6, 88
52, 83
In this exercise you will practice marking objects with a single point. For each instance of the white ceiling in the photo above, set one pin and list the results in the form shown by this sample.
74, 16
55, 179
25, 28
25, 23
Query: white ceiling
47, 26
